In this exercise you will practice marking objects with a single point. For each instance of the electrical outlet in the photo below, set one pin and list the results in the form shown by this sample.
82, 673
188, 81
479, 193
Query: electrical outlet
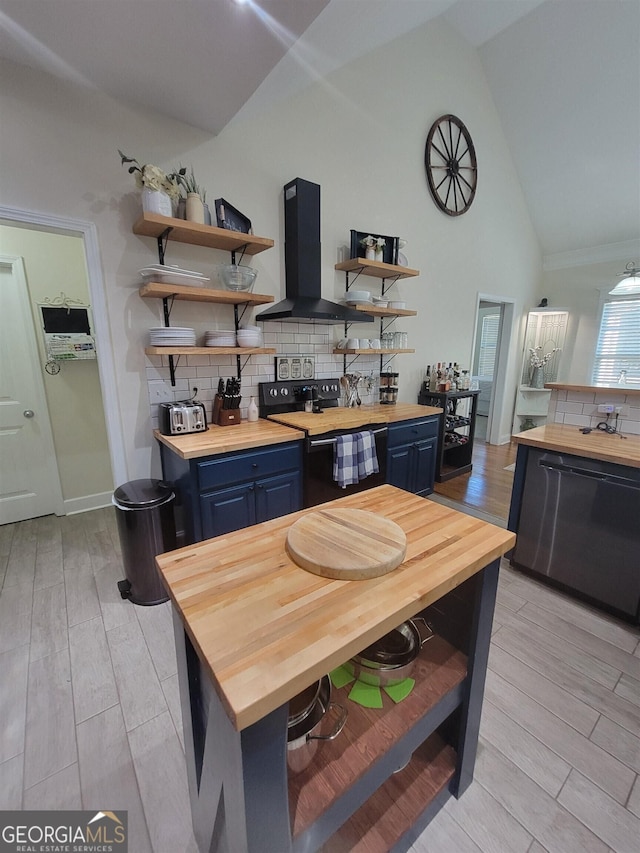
606, 408
623, 411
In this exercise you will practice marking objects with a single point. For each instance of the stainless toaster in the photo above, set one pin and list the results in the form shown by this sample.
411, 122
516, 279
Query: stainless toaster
182, 418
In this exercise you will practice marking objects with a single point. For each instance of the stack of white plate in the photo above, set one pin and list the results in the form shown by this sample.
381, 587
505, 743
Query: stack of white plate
173, 275
172, 336
220, 338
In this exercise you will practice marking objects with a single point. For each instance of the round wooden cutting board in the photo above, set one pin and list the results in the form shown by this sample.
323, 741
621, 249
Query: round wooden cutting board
346, 544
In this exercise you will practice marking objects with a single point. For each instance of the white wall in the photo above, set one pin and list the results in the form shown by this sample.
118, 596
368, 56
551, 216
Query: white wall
360, 135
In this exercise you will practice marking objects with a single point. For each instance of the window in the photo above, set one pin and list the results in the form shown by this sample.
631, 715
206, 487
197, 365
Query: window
618, 350
488, 344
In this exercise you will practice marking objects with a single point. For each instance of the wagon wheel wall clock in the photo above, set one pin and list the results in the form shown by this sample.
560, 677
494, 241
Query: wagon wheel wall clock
450, 162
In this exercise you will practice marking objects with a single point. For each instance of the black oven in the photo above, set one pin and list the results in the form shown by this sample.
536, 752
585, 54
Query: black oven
319, 484
314, 396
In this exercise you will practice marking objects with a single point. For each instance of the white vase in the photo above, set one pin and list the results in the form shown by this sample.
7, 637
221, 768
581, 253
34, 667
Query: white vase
252, 412
370, 253
379, 255
156, 201
195, 208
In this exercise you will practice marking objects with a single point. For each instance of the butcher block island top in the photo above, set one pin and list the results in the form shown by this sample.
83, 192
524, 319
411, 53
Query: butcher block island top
596, 444
216, 439
341, 417
265, 628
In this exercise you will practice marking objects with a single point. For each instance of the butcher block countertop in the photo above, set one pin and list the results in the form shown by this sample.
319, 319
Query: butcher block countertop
216, 439
593, 389
265, 629
360, 416
563, 438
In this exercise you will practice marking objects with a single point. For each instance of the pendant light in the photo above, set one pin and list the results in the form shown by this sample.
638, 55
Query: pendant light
629, 283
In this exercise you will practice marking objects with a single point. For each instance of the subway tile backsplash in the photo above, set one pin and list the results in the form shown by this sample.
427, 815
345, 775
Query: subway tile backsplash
203, 371
580, 408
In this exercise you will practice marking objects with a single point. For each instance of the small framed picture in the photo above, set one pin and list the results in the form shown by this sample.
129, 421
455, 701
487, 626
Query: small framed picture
228, 217
389, 249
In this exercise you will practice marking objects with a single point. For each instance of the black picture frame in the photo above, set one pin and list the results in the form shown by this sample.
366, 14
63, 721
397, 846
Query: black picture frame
230, 218
389, 253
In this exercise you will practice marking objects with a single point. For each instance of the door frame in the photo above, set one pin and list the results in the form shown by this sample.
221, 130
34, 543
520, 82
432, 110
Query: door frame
16, 266
505, 334
41, 221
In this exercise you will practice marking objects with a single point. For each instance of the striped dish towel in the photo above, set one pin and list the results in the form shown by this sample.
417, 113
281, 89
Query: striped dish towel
345, 460
366, 454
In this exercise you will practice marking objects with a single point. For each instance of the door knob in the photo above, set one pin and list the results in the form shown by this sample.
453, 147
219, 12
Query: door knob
28, 413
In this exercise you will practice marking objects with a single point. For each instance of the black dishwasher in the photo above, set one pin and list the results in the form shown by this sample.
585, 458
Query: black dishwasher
579, 528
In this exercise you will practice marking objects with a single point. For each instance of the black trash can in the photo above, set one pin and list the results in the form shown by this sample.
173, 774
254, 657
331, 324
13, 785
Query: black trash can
146, 526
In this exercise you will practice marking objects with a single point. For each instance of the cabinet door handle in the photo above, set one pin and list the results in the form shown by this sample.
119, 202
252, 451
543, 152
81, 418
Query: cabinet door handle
254, 464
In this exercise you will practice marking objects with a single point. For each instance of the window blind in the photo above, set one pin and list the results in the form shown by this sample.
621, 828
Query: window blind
488, 344
618, 347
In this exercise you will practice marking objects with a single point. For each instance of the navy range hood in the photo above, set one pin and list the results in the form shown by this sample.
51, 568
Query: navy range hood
303, 302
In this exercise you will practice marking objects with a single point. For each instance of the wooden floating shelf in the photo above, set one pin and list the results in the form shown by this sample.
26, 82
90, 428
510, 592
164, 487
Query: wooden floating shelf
209, 351
370, 351
375, 311
154, 225
162, 290
377, 269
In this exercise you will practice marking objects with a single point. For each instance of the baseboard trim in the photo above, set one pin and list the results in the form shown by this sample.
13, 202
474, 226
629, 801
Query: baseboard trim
87, 502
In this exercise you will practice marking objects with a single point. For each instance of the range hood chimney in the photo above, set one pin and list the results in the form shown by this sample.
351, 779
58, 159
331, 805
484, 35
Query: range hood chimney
303, 303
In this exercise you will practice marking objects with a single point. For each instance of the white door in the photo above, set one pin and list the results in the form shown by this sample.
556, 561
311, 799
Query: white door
29, 479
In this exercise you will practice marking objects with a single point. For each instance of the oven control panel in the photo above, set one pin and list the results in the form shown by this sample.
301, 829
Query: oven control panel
289, 396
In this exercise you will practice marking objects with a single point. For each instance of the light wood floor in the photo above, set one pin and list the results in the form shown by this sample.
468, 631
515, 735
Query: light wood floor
90, 718
488, 486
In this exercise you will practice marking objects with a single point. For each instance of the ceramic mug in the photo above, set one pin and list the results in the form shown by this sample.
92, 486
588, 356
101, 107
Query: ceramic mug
364, 343
353, 343
341, 343
375, 343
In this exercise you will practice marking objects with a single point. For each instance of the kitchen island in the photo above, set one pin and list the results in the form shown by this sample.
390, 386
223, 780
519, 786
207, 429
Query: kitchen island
575, 506
253, 630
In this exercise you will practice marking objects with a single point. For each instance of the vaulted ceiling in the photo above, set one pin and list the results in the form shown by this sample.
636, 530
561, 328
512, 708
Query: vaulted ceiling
564, 74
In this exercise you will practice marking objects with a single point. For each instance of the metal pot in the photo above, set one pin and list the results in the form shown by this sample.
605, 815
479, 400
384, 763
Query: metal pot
392, 658
303, 727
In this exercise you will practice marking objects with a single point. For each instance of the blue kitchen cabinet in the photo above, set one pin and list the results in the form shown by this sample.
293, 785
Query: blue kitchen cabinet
250, 503
411, 454
229, 491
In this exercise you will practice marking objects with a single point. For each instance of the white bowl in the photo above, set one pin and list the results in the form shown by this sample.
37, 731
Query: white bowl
249, 340
357, 296
397, 304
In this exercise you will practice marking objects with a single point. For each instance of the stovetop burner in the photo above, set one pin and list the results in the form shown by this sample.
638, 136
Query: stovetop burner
291, 396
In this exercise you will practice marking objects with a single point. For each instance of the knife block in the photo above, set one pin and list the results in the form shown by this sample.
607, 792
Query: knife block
228, 417
217, 408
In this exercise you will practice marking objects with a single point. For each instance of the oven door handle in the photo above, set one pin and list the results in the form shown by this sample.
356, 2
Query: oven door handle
321, 442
